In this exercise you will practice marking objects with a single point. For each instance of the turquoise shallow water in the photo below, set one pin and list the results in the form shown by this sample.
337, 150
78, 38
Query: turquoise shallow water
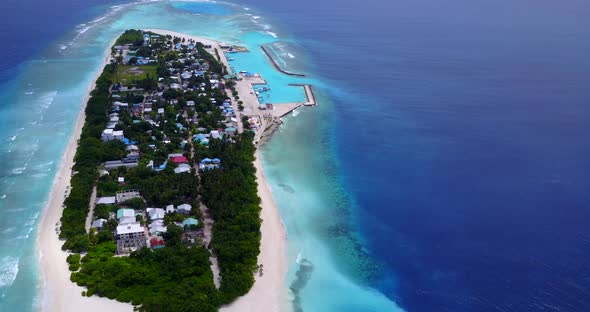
327, 269
257, 62
36, 125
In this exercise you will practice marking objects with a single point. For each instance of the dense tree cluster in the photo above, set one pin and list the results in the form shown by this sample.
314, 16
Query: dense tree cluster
90, 153
231, 195
175, 278
157, 188
215, 65
131, 36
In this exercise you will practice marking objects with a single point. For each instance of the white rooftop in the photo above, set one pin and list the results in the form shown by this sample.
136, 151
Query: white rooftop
186, 207
129, 228
106, 200
155, 213
182, 168
127, 220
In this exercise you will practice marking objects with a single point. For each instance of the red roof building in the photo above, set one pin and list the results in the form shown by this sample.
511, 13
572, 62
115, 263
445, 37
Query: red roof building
179, 159
157, 242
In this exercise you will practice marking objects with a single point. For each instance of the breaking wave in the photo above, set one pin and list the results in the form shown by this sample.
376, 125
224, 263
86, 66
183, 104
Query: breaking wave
8, 271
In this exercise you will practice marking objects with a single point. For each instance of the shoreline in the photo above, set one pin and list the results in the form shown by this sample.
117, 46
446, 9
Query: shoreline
269, 293
58, 293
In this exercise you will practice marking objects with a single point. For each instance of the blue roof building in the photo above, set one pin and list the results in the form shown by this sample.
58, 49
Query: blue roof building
189, 222
128, 142
208, 164
206, 161
200, 136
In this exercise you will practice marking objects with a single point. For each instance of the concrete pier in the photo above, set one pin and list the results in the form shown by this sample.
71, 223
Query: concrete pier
308, 94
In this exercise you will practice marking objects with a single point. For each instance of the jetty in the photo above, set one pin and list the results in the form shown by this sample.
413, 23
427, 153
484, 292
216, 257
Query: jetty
276, 65
308, 94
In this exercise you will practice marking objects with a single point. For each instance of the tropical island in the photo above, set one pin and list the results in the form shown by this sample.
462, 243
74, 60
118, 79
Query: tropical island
163, 207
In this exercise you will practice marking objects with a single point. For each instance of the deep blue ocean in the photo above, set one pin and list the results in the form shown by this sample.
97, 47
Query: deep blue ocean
456, 134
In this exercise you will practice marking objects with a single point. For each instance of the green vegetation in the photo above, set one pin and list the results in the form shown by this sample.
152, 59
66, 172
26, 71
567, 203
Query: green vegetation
131, 36
89, 155
158, 188
215, 65
176, 277
130, 74
231, 195
168, 279
74, 262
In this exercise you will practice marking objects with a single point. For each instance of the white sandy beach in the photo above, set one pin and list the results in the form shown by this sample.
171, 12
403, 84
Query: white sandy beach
165, 32
59, 293
269, 292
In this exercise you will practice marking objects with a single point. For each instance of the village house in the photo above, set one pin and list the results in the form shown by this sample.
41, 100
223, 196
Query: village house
113, 164
208, 164
110, 135
127, 195
182, 168
170, 209
179, 159
155, 213
189, 221
126, 215
130, 237
108, 200
98, 224
184, 209
157, 227
157, 242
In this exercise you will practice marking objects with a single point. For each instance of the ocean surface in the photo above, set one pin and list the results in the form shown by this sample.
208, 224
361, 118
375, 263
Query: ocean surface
445, 169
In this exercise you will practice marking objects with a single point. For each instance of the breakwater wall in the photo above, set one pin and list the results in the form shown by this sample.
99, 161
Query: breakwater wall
276, 65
